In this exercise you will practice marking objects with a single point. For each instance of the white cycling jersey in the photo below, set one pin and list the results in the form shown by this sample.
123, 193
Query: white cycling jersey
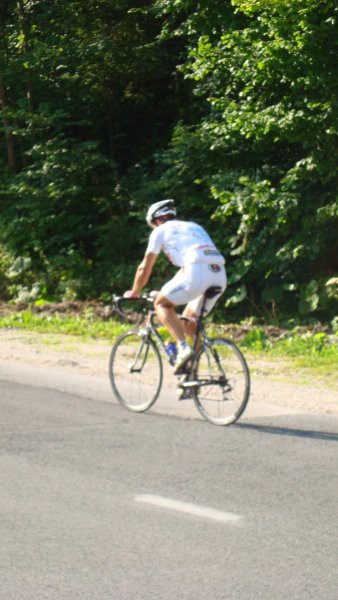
184, 243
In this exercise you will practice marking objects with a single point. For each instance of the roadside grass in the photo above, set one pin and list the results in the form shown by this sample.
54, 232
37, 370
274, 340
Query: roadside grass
85, 327
317, 371
314, 356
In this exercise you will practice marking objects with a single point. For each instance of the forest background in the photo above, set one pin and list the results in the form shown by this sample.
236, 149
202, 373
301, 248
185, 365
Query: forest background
230, 107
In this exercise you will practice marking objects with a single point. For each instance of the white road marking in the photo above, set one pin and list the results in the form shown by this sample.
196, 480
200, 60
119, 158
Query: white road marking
192, 509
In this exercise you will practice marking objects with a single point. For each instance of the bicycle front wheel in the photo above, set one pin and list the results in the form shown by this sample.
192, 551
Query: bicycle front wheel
135, 370
223, 388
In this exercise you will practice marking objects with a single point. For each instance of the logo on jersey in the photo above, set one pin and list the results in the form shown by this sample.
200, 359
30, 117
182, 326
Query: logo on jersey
214, 268
211, 252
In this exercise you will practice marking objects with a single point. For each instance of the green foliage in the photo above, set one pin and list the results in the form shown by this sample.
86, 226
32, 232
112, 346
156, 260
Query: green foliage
231, 108
267, 151
317, 344
5, 262
54, 211
256, 339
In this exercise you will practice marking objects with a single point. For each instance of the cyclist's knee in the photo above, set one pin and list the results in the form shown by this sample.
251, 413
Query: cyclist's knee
190, 314
163, 302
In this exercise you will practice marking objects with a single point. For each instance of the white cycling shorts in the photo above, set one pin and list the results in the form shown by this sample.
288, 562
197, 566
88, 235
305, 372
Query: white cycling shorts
190, 283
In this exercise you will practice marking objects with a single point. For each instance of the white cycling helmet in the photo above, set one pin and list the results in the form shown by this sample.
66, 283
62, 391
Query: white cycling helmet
159, 209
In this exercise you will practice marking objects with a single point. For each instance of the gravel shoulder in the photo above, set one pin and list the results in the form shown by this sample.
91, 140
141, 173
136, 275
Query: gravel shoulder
52, 357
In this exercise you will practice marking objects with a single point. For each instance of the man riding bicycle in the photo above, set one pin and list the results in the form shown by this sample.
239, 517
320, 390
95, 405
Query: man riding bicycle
189, 247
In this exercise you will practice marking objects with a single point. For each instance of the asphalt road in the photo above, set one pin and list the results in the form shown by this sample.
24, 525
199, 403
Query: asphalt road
98, 503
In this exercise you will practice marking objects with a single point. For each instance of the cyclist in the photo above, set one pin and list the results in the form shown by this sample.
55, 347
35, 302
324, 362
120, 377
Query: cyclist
189, 247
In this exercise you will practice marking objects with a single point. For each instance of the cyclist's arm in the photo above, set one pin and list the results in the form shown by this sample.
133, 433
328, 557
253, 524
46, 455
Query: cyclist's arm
143, 273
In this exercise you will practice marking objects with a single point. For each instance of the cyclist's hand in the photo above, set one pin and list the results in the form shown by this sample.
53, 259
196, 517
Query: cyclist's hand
129, 294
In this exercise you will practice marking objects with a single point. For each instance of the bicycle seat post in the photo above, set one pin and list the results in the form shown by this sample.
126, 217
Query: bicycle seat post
199, 325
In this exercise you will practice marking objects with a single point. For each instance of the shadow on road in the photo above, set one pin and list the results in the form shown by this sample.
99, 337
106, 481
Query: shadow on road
315, 435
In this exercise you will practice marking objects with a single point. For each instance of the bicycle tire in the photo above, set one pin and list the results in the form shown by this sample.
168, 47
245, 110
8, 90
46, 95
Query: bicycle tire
135, 371
224, 378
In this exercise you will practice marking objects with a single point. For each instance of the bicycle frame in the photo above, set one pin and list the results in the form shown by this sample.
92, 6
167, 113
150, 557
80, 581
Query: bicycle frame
151, 328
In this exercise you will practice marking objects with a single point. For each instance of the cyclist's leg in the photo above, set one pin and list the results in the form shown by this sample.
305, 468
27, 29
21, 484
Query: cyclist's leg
191, 314
179, 290
165, 311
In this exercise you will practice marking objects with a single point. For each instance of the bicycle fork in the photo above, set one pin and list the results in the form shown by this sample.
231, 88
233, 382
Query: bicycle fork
132, 367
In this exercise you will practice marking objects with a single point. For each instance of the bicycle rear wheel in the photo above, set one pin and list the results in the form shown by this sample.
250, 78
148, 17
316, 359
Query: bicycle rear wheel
135, 370
223, 379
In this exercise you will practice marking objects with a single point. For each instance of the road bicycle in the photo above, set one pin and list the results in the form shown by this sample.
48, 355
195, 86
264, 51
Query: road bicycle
217, 378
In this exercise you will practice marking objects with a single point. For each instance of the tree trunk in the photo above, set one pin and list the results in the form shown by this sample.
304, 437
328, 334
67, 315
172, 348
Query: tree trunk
8, 135
22, 21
